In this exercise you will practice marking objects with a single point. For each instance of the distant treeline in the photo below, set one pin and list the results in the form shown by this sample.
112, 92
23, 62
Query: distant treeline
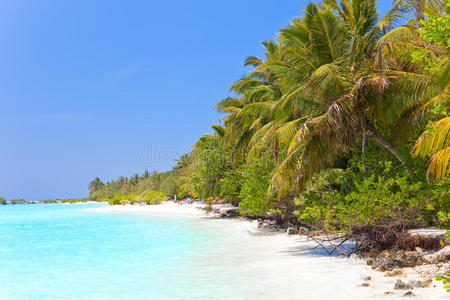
149, 188
59, 200
136, 184
3, 201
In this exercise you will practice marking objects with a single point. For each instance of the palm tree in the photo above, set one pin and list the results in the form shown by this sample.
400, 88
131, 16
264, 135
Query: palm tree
95, 185
422, 7
336, 77
134, 179
146, 174
347, 81
253, 109
182, 163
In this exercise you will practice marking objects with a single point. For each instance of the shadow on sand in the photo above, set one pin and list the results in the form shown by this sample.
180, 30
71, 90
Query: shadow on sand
309, 247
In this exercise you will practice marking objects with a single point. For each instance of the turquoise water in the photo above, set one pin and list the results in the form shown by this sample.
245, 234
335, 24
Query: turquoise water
55, 251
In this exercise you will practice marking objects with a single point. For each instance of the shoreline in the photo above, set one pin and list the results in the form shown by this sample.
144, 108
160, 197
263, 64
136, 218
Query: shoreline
375, 283
168, 208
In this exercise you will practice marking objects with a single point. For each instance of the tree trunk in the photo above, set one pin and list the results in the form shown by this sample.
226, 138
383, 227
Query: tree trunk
391, 148
363, 150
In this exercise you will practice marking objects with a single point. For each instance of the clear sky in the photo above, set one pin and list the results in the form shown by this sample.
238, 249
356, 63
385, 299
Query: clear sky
110, 88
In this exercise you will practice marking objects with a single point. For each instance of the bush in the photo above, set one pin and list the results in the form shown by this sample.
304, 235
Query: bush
146, 197
376, 208
254, 188
156, 197
445, 278
151, 197
230, 185
117, 198
74, 200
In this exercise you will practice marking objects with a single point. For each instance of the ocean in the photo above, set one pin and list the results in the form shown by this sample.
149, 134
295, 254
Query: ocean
61, 251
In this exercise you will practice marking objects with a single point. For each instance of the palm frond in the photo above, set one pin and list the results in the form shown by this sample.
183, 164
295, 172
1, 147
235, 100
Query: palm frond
433, 140
219, 130
253, 61
229, 102
439, 165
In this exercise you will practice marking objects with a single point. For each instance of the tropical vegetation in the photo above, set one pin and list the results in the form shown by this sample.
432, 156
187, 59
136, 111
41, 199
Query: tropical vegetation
140, 189
343, 124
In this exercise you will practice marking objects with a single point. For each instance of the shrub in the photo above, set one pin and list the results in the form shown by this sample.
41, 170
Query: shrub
254, 188
115, 200
376, 208
230, 185
445, 278
152, 197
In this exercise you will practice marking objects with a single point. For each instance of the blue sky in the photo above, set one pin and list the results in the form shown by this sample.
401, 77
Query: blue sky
111, 88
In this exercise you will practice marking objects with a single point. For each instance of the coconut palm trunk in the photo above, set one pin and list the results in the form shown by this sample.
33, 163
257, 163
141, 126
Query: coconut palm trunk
375, 136
363, 150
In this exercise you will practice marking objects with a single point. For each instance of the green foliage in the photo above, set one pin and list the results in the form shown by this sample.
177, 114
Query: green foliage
386, 198
436, 29
433, 54
136, 184
382, 200
118, 198
94, 186
338, 74
211, 162
445, 279
338, 82
20, 201
231, 184
256, 182
176, 182
153, 197
49, 201
437, 209
73, 200
146, 197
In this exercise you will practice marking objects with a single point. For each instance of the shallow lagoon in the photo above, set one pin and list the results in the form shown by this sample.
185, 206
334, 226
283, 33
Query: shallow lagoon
60, 251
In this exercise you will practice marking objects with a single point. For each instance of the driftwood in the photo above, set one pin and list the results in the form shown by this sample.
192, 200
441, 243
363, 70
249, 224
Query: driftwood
331, 241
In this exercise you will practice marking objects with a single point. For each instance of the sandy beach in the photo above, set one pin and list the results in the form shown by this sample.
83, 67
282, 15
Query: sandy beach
289, 251
168, 208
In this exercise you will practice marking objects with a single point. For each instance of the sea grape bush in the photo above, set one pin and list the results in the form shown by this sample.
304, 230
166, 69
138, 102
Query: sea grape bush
146, 197
385, 199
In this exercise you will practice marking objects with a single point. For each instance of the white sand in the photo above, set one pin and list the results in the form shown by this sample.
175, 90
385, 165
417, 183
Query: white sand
168, 208
295, 271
